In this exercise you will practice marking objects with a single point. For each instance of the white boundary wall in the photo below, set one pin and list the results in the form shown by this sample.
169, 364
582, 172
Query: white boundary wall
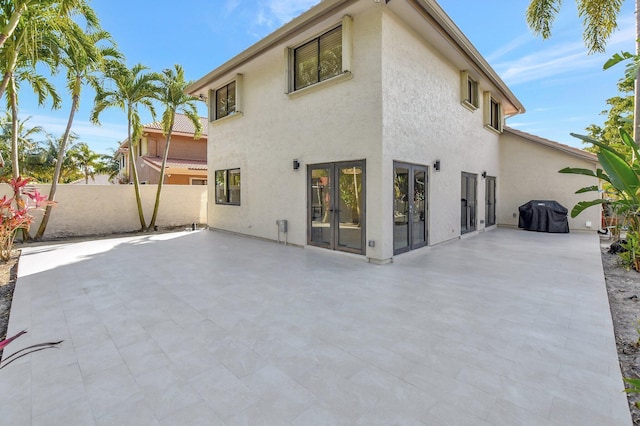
84, 210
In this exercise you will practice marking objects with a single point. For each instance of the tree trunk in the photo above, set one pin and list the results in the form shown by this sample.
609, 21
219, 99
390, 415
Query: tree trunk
636, 90
12, 24
15, 167
58, 170
8, 74
134, 175
156, 206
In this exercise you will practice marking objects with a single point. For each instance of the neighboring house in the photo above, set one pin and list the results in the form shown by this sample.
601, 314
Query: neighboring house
372, 127
187, 160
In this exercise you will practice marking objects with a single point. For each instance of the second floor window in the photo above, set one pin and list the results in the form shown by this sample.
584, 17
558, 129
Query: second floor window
318, 59
225, 100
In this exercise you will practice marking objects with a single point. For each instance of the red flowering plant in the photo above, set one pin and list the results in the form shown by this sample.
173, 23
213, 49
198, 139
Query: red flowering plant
15, 212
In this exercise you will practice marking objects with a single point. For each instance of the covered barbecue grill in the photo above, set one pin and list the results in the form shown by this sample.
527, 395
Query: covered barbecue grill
543, 216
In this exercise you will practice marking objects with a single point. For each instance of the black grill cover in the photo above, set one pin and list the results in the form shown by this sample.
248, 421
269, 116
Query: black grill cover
543, 216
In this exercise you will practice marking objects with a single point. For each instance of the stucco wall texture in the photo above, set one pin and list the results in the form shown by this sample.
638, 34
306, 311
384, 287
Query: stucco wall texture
84, 210
532, 171
401, 101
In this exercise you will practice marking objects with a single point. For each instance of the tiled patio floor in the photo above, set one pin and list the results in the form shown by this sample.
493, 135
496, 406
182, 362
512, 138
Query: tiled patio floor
204, 328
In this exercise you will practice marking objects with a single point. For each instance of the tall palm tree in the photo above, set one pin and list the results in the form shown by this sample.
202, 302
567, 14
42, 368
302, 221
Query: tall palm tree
174, 99
38, 35
83, 63
133, 88
600, 20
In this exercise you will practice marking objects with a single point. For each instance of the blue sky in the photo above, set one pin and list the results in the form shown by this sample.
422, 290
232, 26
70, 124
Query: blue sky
562, 87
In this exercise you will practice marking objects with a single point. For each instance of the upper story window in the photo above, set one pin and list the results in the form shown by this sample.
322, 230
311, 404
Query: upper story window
493, 116
322, 58
318, 59
469, 87
226, 100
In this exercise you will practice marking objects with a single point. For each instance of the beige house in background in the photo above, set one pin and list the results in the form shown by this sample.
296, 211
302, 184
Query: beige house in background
187, 160
373, 128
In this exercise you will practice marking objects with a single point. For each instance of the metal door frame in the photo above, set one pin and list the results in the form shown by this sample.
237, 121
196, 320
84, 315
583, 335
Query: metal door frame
334, 220
489, 206
411, 245
471, 177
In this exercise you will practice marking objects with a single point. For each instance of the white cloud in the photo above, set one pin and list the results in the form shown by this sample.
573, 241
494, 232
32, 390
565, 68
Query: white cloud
556, 58
512, 45
99, 138
285, 10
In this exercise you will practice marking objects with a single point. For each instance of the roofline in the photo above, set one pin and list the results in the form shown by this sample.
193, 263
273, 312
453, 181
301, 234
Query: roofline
293, 27
576, 152
428, 9
433, 12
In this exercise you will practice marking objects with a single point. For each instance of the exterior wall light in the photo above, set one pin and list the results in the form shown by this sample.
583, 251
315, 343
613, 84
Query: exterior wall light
436, 166
296, 164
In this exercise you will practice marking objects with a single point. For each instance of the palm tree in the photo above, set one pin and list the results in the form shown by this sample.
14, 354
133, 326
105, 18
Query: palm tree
133, 89
15, 12
600, 20
82, 61
175, 100
24, 137
87, 160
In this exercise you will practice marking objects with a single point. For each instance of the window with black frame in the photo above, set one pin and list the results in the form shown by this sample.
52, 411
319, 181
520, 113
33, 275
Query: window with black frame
228, 187
225, 100
318, 59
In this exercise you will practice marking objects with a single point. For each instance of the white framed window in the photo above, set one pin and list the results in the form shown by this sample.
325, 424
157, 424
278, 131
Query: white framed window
197, 181
469, 91
493, 116
322, 58
226, 100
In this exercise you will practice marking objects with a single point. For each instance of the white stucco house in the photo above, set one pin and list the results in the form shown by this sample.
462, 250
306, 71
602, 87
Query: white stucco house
372, 127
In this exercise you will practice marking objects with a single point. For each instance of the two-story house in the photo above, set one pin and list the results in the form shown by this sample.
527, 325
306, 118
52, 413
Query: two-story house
372, 127
187, 159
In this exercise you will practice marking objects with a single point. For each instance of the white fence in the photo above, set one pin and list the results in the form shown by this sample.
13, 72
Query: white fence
84, 210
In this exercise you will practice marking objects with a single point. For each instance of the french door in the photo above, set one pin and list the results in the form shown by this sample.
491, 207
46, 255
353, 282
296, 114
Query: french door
490, 199
468, 202
336, 206
409, 207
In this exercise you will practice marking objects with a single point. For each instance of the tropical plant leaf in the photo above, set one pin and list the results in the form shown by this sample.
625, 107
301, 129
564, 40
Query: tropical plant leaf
622, 176
599, 144
578, 171
628, 140
11, 339
616, 59
588, 189
578, 208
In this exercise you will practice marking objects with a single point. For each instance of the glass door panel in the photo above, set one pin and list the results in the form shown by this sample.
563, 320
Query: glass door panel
418, 209
350, 207
490, 213
400, 209
468, 203
320, 205
336, 206
409, 207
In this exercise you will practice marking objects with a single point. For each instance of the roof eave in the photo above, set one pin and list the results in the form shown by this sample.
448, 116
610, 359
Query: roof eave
576, 152
308, 18
449, 29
